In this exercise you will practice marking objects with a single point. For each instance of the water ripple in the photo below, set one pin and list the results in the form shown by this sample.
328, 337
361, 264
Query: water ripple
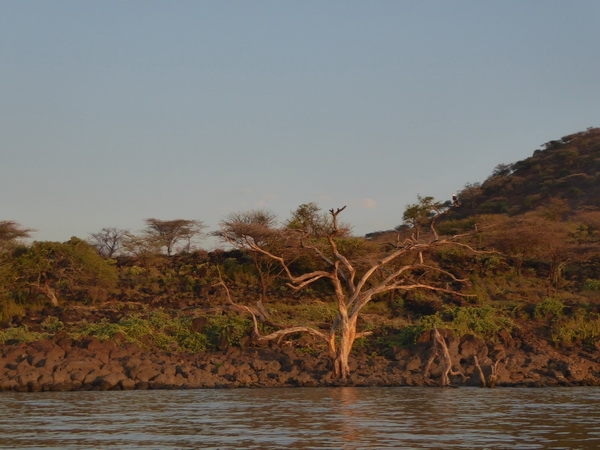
350, 418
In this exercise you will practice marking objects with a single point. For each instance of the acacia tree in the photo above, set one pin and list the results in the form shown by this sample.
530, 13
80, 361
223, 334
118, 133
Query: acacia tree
10, 233
356, 281
419, 214
308, 219
168, 233
256, 225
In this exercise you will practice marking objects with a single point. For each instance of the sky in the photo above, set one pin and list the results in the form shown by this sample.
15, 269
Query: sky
112, 112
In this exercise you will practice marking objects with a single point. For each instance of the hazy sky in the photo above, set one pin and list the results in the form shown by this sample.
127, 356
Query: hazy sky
116, 111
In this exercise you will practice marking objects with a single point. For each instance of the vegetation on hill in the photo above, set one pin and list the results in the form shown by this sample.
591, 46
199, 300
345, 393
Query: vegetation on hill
565, 172
525, 259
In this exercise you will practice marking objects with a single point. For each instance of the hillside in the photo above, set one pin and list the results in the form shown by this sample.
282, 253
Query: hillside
511, 277
567, 169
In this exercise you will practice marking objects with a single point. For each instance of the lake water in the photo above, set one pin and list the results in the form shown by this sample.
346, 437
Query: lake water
349, 418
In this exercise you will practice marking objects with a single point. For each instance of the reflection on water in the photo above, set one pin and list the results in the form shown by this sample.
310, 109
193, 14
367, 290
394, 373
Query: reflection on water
304, 418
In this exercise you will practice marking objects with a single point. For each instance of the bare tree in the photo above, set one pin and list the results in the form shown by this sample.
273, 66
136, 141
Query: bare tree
108, 241
356, 282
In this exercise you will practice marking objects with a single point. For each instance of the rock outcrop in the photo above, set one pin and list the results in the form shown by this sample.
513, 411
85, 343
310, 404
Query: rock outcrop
64, 364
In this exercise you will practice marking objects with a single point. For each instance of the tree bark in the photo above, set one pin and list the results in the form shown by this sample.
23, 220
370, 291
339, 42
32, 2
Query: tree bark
347, 327
49, 292
440, 350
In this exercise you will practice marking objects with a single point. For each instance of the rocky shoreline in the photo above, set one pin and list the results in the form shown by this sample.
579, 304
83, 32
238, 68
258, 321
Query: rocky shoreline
65, 364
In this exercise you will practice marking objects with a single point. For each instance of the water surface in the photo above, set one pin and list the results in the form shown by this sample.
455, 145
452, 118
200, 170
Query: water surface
349, 418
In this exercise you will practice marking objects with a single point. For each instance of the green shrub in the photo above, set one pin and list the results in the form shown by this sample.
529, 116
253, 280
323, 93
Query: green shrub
404, 337
483, 321
231, 329
549, 308
305, 312
156, 330
174, 333
9, 308
591, 285
581, 328
20, 334
103, 330
52, 324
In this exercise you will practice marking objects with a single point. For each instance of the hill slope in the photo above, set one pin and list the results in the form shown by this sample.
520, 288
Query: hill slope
567, 169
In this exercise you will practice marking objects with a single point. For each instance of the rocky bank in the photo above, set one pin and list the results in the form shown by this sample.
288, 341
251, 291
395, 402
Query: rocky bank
64, 364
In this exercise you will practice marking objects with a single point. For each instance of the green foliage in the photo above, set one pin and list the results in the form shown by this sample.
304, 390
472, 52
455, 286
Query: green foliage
315, 312
10, 308
52, 324
483, 321
225, 328
452, 256
429, 322
73, 270
240, 271
157, 329
452, 227
174, 333
308, 218
417, 215
549, 308
403, 337
14, 335
581, 328
591, 285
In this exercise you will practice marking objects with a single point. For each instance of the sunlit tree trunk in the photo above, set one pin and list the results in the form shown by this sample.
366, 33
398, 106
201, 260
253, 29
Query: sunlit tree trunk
347, 335
355, 283
49, 292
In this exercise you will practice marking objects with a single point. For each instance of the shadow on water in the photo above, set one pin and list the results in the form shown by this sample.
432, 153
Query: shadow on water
304, 418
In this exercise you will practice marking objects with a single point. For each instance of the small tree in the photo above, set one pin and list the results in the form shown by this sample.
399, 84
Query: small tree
108, 241
168, 233
73, 268
356, 282
10, 233
308, 219
256, 226
420, 214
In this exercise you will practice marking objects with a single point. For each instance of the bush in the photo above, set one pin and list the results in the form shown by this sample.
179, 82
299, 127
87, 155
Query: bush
222, 329
10, 308
484, 321
591, 285
156, 330
550, 308
581, 328
406, 337
16, 335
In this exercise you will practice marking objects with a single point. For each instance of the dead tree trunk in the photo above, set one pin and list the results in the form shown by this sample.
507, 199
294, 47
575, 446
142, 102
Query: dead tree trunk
347, 335
49, 292
495, 370
355, 282
440, 351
